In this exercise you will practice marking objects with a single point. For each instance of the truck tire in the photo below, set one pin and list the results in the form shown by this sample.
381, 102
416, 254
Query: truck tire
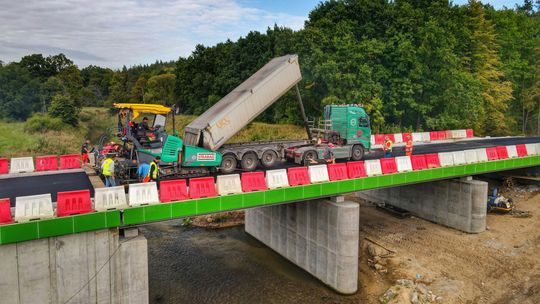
357, 152
249, 161
269, 158
309, 155
228, 163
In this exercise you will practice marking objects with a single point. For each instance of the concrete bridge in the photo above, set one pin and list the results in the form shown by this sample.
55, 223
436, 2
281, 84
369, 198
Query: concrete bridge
98, 257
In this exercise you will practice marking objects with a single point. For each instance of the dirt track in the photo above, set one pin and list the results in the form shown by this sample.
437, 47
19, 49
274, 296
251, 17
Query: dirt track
501, 265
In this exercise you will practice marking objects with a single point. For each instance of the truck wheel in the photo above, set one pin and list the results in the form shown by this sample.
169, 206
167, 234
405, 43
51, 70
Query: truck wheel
269, 158
249, 161
228, 163
310, 155
357, 152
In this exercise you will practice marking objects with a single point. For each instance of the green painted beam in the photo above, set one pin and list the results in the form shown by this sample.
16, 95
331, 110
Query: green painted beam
20, 232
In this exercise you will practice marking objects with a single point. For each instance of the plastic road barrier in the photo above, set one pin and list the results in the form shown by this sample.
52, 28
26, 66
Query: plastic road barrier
73, 202
388, 165
404, 163
425, 136
470, 156
46, 163
432, 160
481, 155
398, 138
405, 135
459, 158
373, 167
318, 174
228, 184
143, 194
470, 133
417, 137
418, 162
441, 135
70, 161
356, 169
459, 134
253, 181
531, 149
502, 152
379, 139
337, 171
446, 159
21, 164
521, 150
110, 198
202, 187
5, 211
433, 135
276, 179
492, 153
4, 167
298, 176
173, 190
372, 140
512, 151
33, 207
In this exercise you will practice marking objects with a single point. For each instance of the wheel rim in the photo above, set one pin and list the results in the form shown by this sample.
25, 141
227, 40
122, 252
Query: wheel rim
228, 164
268, 158
249, 162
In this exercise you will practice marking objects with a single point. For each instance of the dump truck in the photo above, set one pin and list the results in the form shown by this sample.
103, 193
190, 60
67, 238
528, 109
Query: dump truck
203, 149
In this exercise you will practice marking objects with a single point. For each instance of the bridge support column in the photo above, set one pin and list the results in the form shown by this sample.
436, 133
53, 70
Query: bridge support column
457, 203
91, 267
320, 236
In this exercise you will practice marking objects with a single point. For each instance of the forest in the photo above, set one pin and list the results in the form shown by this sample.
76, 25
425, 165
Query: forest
413, 64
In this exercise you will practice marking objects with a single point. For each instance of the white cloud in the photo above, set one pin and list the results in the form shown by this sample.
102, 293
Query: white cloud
113, 33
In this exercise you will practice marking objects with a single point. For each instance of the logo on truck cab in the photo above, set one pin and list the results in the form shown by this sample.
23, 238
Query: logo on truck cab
206, 156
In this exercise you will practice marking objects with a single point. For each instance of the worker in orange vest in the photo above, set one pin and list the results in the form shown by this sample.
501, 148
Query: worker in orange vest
408, 146
387, 148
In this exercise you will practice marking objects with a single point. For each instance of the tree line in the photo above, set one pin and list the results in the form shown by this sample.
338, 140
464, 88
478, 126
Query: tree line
413, 64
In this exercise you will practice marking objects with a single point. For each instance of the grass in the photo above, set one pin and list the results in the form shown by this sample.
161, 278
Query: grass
16, 142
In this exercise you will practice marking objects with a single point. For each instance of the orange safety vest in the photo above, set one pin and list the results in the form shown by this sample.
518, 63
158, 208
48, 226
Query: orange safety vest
408, 146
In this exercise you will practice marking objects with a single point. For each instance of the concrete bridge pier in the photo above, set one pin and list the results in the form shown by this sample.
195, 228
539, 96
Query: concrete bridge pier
457, 203
92, 267
321, 236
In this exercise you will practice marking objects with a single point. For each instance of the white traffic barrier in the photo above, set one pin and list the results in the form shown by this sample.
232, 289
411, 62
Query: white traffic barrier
459, 158
110, 198
277, 179
403, 163
21, 164
143, 194
228, 184
373, 167
481, 155
531, 149
446, 159
398, 137
458, 134
318, 174
537, 149
471, 157
417, 137
372, 140
426, 137
512, 151
33, 207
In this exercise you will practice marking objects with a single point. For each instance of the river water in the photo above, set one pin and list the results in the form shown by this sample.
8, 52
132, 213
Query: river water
197, 265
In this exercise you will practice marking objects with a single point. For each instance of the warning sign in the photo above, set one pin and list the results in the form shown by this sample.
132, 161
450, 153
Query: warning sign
206, 156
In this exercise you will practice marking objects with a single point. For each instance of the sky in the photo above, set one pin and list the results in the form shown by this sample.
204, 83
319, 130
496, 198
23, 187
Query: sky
113, 33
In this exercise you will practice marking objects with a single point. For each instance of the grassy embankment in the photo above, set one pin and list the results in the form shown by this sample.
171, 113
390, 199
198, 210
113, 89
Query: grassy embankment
15, 141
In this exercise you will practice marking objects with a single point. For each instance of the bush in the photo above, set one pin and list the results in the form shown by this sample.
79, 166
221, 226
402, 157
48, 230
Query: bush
41, 122
64, 108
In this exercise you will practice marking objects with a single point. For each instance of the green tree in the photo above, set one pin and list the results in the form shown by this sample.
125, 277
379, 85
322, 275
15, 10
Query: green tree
64, 107
161, 89
137, 92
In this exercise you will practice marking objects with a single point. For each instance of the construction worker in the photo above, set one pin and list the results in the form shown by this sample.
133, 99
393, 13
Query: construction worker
107, 169
154, 169
408, 145
387, 147
85, 150
329, 154
144, 173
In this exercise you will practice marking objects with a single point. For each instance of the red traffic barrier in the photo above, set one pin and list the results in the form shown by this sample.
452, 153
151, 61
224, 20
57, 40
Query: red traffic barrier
337, 171
388, 165
441, 135
391, 137
492, 153
448, 133
46, 163
5, 211
298, 176
521, 150
502, 152
173, 190
405, 135
70, 161
356, 169
379, 139
73, 202
4, 166
418, 162
470, 133
253, 181
433, 135
202, 187
432, 160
